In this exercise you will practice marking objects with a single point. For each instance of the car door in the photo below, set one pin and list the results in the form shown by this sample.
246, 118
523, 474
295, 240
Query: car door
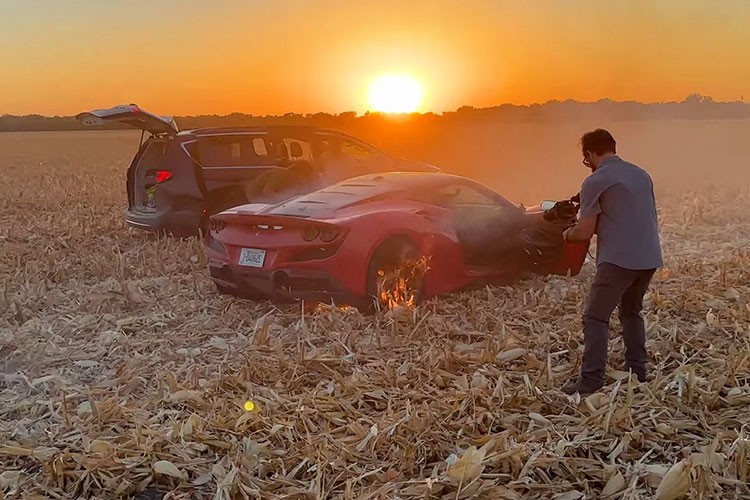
486, 225
496, 233
227, 162
547, 252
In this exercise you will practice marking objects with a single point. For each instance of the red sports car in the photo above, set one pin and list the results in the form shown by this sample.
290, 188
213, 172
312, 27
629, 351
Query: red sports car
384, 239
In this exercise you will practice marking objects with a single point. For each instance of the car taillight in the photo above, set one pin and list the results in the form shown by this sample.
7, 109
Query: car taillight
216, 225
325, 233
310, 233
163, 175
329, 234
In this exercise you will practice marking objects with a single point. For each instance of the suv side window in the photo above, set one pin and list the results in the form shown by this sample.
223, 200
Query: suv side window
358, 151
232, 151
260, 147
298, 149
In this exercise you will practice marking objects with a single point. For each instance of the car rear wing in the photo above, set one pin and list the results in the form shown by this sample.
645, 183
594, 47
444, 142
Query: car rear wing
242, 219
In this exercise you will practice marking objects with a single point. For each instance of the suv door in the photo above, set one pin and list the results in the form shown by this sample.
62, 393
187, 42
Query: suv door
227, 163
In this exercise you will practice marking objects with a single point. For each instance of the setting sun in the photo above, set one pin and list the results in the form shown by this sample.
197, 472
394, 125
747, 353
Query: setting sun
395, 94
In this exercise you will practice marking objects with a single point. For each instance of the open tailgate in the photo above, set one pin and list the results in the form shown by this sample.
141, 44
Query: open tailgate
132, 115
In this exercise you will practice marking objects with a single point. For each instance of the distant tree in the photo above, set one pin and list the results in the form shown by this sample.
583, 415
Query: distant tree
698, 99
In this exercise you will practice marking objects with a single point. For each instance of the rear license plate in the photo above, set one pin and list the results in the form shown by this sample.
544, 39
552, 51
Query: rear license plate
252, 257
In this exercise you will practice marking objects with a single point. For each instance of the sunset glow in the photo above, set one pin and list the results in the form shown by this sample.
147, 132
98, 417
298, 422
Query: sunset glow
223, 57
395, 94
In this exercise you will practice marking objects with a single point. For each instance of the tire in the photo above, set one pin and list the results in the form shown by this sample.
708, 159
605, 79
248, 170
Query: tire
396, 256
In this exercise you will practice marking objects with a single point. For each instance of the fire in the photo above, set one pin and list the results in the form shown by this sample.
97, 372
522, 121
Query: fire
398, 287
324, 308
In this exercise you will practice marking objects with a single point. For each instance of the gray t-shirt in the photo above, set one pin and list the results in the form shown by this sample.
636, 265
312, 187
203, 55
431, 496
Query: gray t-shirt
622, 194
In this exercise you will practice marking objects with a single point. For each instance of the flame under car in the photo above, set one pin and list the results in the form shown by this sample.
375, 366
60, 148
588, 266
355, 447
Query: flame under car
382, 240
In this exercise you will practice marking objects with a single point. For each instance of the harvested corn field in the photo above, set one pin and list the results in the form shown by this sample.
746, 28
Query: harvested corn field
123, 373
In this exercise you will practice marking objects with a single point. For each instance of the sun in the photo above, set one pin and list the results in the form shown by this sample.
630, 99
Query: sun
395, 94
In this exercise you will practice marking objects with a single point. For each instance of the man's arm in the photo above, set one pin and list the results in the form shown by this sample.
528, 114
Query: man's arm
583, 230
588, 215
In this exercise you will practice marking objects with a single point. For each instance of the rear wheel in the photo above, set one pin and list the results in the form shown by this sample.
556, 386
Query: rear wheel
395, 275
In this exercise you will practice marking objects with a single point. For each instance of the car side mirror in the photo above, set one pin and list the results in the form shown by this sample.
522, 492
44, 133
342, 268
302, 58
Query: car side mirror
547, 205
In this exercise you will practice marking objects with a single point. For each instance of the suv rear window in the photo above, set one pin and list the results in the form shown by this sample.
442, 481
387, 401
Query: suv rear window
233, 151
153, 156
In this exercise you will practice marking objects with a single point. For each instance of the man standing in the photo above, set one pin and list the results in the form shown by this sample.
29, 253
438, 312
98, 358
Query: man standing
617, 203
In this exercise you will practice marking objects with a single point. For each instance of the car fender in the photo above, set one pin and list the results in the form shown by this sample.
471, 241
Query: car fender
437, 241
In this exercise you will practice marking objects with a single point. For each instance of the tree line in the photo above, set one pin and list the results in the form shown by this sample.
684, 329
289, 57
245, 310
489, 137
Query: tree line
693, 107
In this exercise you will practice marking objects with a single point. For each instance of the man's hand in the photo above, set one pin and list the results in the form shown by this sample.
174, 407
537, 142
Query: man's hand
582, 231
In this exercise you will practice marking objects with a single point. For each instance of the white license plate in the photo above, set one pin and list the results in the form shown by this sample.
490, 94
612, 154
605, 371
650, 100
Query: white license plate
252, 257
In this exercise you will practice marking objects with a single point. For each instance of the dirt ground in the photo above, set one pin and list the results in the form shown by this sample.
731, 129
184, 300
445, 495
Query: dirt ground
124, 373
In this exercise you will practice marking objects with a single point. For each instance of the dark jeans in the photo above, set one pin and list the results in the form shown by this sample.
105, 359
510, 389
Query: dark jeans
614, 286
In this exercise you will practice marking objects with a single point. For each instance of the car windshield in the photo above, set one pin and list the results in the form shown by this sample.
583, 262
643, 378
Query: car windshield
461, 194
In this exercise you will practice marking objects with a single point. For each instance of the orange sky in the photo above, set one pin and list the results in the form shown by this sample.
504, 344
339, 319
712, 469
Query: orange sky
277, 56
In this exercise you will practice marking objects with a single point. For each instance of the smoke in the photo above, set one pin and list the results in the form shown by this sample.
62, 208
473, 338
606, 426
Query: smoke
531, 162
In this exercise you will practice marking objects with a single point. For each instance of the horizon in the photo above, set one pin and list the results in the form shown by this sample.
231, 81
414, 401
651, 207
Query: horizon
706, 99
191, 59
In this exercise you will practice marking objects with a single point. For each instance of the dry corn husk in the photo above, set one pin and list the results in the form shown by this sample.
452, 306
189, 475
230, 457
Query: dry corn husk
99, 446
615, 484
676, 482
168, 468
11, 479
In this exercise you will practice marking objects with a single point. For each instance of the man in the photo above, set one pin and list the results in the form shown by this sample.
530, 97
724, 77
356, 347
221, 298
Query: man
617, 203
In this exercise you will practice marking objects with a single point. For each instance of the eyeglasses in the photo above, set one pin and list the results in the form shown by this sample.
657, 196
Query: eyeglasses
586, 161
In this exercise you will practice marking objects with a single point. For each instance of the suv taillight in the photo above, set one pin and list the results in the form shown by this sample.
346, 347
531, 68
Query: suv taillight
163, 175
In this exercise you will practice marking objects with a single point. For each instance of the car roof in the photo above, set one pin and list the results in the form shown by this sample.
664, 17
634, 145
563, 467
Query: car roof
264, 129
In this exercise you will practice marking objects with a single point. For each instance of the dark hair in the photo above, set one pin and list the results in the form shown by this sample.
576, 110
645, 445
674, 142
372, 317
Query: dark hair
598, 141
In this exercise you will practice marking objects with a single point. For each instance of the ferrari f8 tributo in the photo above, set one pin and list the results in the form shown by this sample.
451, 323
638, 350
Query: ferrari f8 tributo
383, 239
